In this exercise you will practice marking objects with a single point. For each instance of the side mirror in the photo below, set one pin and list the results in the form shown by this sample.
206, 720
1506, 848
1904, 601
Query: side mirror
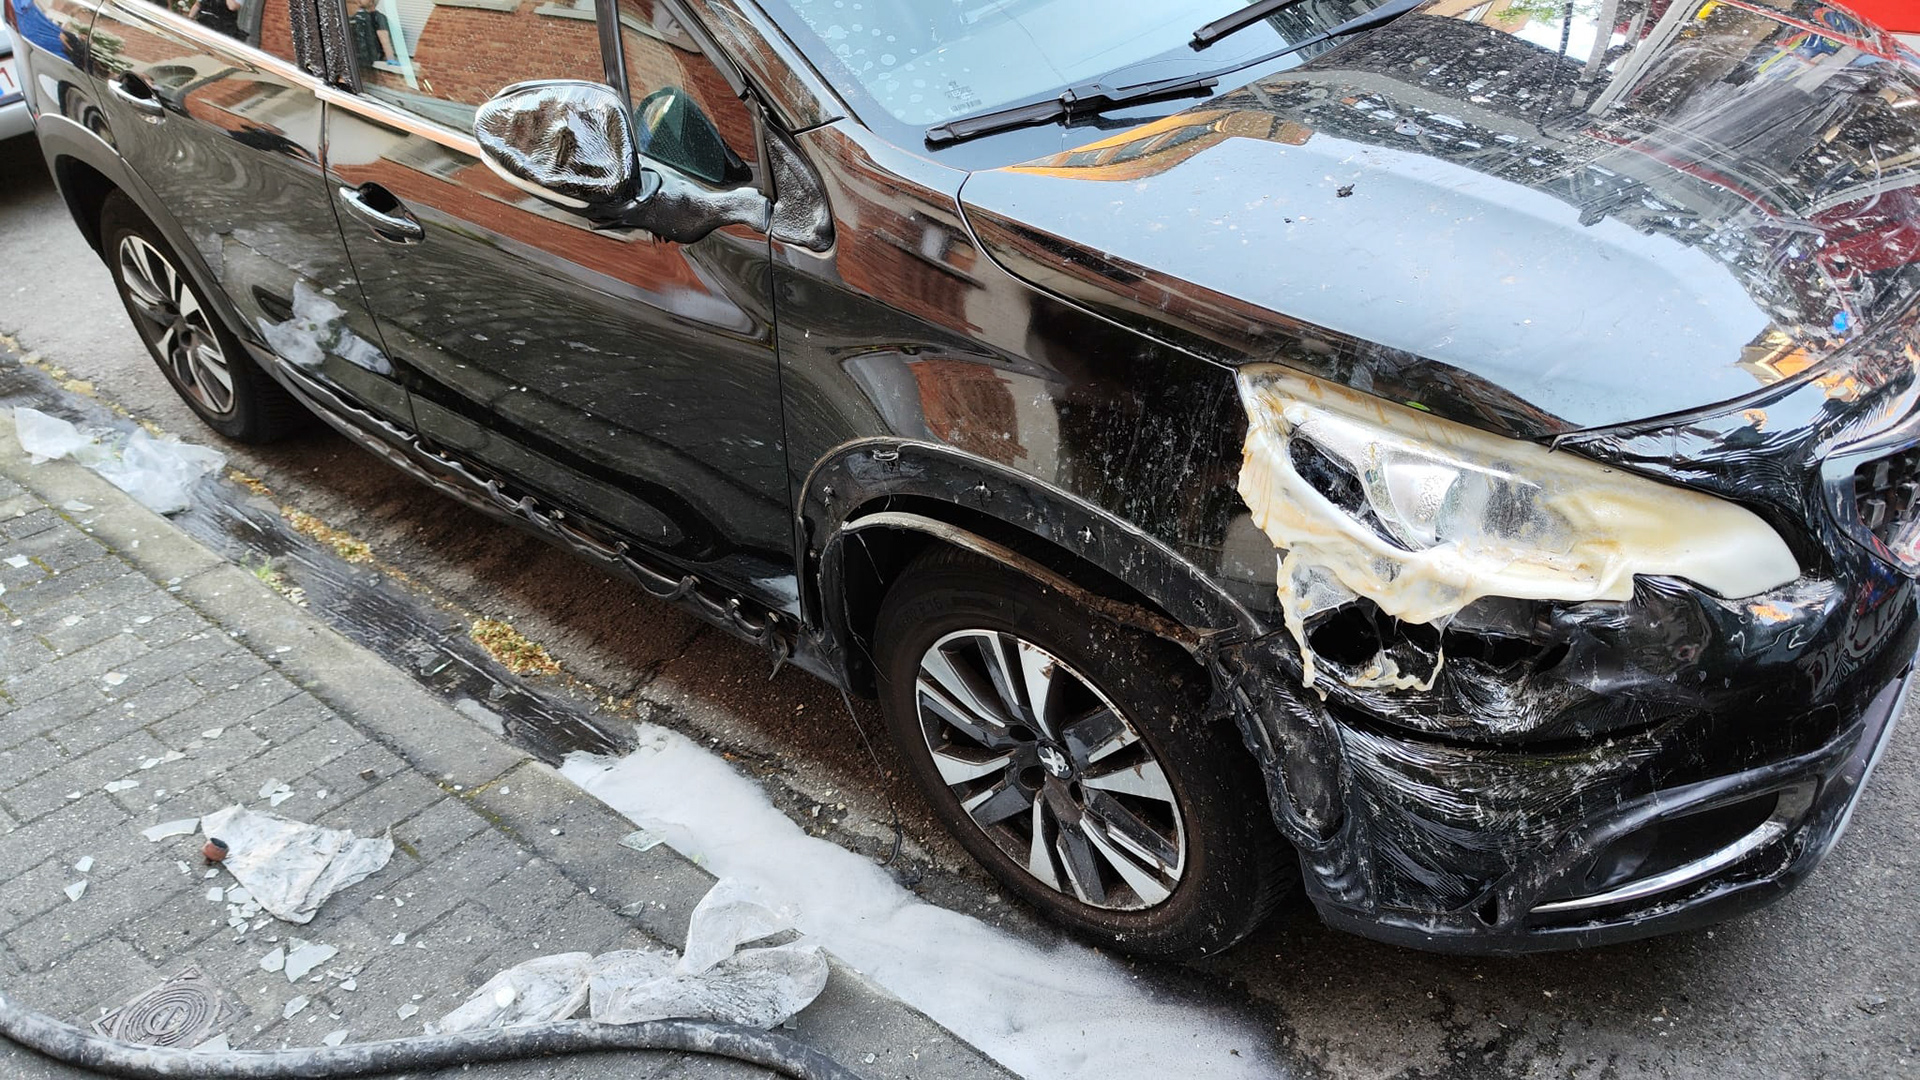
572, 144
569, 143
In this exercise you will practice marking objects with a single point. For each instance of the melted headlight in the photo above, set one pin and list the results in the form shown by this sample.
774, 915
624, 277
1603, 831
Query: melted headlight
1423, 516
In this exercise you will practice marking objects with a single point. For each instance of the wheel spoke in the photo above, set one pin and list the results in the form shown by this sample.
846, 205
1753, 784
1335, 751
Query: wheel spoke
189, 306
1039, 850
983, 731
1082, 865
210, 363
1097, 735
958, 768
164, 346
993, 654
166, 276
1144, 884
1145, 780
998, 803
1130, 831
1036, 674
211, 380
137, 276
962, 687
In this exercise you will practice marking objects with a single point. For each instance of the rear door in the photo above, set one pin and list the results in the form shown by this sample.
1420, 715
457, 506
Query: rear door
627, 379
215, 112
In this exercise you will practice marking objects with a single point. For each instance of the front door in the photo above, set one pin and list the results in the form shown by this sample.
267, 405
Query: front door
627, 378
216, 115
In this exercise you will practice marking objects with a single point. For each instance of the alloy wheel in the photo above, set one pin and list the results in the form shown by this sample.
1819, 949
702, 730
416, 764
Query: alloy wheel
1051, 770
179, 327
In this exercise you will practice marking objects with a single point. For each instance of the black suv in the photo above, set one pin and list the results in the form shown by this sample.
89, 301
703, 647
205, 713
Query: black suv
1459, 456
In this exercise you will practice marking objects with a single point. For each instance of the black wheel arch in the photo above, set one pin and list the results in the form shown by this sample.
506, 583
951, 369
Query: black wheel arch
871, 505
86, 169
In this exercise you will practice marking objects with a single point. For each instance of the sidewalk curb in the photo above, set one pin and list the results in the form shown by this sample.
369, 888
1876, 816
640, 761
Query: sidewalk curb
576, 833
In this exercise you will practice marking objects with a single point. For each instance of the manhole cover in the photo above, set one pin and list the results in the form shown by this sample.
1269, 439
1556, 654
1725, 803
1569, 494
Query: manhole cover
183, 1011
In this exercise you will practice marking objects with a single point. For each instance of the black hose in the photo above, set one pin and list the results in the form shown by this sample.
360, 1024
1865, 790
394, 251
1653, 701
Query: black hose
115, 1058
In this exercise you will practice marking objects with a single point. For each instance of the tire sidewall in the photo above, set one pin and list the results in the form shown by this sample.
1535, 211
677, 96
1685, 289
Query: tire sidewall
1163, 697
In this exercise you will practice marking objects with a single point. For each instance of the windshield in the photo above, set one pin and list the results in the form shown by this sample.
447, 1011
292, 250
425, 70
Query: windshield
929, 61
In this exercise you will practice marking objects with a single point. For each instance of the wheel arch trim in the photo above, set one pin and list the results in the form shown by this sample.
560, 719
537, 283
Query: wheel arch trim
935, 491
66, 143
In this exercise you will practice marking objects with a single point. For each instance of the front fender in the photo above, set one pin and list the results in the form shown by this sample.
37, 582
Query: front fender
980, 500
66, 142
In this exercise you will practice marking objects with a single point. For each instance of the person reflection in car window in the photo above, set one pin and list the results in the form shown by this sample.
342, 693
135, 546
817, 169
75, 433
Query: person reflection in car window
372, 40
221, 15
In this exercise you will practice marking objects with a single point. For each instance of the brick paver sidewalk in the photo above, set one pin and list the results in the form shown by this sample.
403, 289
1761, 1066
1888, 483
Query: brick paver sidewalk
143, 680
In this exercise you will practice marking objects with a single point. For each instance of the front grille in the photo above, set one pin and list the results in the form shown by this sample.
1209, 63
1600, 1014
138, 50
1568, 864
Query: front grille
1885, 493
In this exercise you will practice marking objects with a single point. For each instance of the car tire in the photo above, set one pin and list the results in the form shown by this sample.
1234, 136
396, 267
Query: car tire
185, 335
1164, 781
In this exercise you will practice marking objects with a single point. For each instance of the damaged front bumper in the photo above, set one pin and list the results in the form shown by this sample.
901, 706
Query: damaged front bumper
1572, 772
1486, 848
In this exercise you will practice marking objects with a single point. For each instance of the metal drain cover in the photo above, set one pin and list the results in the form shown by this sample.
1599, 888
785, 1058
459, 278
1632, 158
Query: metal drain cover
184, 1011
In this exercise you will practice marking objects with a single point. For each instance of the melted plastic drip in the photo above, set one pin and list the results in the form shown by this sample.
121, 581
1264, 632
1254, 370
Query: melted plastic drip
1554, 526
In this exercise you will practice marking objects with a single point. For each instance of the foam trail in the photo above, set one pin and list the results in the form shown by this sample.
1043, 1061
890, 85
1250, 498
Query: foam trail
1063, 1012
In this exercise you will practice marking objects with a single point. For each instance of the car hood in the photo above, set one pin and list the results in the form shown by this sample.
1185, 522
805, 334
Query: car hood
1453, 212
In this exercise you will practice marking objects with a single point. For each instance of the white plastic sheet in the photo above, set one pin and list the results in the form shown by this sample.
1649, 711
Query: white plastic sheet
157, 472
46, 437
290, 867
716, 979
542, 989
317, 328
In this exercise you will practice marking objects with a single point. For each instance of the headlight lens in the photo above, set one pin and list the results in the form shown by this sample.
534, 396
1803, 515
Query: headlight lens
1423, 516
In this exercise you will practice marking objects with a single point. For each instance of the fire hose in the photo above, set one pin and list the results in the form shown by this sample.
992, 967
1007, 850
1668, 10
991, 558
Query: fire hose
113, 1057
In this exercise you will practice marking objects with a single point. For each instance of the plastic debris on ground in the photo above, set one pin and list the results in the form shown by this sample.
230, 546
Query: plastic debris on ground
304, 956
45, 438
289, 868
715, 979
167, 829
642, 840
158, 472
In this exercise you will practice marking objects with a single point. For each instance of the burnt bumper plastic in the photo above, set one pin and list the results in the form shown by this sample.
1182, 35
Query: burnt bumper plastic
1820, 790
1647, 799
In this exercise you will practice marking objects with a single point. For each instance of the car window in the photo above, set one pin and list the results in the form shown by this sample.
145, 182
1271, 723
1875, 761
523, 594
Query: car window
441, 59
685, 114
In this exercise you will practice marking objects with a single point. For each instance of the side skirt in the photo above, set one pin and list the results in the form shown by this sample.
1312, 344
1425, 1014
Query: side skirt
474, 486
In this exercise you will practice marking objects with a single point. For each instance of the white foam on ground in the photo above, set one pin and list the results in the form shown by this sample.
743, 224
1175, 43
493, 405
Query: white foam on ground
1047, 1013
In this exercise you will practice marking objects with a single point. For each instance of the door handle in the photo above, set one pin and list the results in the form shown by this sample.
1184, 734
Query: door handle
137, 94
384, 213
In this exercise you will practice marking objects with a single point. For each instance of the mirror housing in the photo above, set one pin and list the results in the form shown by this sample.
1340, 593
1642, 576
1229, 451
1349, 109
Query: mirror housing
571, 143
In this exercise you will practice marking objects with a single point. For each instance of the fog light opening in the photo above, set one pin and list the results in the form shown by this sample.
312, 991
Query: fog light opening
1678, 851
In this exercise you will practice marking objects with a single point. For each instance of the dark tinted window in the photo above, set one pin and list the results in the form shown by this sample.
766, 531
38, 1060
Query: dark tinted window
685, 115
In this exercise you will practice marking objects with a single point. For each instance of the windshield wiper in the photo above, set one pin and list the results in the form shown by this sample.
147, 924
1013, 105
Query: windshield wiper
1379, 16
1098, 96
1076, 101
1239, 20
